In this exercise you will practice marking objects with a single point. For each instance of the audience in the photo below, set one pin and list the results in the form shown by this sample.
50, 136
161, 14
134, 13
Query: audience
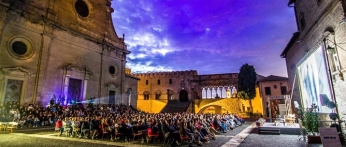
120, 121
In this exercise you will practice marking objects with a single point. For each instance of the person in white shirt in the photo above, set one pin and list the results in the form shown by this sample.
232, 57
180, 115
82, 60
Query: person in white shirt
67, 126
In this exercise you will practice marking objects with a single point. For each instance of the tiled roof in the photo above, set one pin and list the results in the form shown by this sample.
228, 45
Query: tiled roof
273, 78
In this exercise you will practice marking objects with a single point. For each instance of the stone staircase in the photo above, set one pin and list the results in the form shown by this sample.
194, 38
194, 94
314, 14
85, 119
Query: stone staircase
175, 106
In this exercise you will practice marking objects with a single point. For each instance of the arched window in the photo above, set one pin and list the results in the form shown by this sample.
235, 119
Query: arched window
146, 95
157, 95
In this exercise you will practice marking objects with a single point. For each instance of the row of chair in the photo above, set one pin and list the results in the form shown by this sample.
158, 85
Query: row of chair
8, 127
150, 135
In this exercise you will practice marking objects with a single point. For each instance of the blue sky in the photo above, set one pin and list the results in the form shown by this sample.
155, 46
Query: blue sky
212, 37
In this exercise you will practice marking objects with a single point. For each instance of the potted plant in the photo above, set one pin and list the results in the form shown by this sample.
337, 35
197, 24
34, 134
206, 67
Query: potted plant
311, 124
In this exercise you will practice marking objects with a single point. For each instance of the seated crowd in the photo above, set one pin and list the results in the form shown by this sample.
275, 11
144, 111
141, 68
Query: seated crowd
122, 122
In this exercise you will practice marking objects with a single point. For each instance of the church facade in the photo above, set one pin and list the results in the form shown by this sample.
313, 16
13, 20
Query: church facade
67, 49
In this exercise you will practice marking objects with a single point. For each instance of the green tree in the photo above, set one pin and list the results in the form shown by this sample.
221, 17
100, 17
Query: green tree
247, 83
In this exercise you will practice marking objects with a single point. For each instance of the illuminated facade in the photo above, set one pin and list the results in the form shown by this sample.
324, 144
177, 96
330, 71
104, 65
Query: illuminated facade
64, 48
214, 93
272, 90
316, 55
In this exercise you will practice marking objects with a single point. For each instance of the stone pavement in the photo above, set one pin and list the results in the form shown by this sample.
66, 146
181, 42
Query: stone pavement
241, 136
45, 136
261, 140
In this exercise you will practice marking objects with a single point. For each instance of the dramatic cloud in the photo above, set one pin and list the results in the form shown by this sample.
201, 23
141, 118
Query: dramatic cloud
211, 37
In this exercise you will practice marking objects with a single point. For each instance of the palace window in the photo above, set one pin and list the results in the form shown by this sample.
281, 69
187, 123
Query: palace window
157, 95
283, 90
170, 81
302, 21
158, 82
146, 95
267, 91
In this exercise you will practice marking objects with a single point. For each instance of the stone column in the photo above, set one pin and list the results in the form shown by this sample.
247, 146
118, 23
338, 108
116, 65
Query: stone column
220, 91
67, 80
211, 92
206, 93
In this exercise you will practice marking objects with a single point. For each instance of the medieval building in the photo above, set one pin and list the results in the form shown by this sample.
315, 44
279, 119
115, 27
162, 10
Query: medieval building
186, 91
64, 48
180, 89
316, 55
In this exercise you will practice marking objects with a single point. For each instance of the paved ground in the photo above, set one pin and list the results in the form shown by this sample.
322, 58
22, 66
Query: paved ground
242, 136
43, 137
260, 140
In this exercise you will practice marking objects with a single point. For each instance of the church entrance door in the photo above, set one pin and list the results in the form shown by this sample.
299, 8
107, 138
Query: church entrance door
74, 91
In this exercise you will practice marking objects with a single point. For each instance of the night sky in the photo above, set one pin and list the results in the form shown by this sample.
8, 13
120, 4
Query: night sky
212, 37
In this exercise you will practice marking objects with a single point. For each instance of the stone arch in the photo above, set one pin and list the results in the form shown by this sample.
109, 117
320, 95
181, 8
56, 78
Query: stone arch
158, 94
170, 94
216, 107
183, 96
146, 95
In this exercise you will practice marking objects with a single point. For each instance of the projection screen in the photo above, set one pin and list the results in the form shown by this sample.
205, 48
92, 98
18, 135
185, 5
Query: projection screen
314, 80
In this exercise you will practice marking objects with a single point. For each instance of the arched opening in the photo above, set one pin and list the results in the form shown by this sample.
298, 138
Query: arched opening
157, 95
214, 109
146, 95
183, 96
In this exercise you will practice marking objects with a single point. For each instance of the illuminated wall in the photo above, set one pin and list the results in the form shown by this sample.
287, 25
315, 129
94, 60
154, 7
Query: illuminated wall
151, 106
256, 104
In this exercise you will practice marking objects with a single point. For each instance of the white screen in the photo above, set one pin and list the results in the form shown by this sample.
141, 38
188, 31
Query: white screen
313, 80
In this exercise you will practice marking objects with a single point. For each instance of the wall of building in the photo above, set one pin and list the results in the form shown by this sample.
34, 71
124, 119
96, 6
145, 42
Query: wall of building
180, 81
65, 46
151, 106
320, 18
274, 92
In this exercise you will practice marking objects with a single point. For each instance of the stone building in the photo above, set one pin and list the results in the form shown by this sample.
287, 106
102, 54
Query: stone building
64, 48
157, 90
186, 91
272, 91
316, 56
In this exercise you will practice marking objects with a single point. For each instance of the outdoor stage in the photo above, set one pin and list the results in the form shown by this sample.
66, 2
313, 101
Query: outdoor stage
270, 128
